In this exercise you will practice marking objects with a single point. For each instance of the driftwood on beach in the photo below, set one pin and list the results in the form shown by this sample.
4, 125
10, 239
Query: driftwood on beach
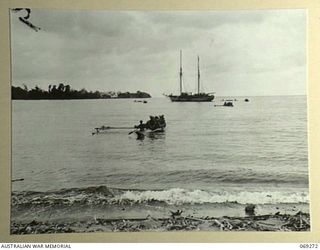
275, 222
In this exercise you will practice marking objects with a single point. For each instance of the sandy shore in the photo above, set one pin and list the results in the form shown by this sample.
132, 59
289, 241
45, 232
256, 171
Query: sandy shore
272, 222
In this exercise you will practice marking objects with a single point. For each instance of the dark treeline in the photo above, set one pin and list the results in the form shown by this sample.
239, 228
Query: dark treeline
138, 94
65, 92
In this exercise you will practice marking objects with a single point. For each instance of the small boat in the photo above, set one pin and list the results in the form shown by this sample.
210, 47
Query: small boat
144, 101
156, 124
142, 134
227, 103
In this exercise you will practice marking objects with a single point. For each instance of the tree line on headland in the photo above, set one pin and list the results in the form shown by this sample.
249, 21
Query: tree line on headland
62, 91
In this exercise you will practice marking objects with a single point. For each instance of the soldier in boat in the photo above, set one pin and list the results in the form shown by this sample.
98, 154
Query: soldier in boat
151, 124
162, 121
141, 126
155, 122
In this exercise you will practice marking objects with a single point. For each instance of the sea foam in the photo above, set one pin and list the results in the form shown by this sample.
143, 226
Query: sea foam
182, 196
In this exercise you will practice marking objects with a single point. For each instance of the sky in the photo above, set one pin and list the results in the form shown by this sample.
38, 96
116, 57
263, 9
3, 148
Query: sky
242, 53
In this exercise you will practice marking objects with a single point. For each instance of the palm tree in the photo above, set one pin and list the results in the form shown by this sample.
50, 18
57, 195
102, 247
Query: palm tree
61, 87
67, 88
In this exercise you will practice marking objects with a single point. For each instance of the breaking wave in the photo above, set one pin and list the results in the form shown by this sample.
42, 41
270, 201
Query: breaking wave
103, 195
182, 196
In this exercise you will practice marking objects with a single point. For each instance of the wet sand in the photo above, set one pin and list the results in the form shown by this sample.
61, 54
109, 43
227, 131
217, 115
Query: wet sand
272, 222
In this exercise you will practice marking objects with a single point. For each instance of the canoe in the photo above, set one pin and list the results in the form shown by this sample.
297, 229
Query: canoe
148, 132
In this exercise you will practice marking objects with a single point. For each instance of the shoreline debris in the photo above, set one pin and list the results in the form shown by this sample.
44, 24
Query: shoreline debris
175, 222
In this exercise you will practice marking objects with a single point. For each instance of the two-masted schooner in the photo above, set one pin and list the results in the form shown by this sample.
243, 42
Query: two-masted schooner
189, 97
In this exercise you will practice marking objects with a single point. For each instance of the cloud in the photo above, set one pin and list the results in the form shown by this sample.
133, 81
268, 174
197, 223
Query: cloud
130, 50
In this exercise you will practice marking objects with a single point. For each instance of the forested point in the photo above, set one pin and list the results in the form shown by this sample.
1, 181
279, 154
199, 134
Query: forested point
62, 91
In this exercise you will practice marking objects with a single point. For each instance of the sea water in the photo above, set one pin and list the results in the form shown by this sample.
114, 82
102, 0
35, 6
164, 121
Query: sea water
255, 152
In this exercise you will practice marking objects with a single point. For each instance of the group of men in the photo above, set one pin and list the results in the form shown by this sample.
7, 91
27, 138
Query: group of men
155, 122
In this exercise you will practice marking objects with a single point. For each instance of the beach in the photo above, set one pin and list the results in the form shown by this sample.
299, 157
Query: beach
276, 222
103, 209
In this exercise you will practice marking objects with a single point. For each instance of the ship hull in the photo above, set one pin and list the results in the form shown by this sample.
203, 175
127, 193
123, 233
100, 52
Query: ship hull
191, 98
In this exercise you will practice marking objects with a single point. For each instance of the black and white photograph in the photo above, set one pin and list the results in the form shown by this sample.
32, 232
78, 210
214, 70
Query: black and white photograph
159, 121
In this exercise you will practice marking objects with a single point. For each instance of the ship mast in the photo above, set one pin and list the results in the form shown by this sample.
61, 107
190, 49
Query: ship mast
198, 76
180, 72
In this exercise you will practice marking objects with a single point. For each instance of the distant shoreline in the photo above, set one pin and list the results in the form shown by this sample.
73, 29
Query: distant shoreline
66, 99
65, 92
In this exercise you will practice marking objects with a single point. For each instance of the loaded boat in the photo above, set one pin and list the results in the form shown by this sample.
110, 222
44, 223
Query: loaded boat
156, 124
148, 133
